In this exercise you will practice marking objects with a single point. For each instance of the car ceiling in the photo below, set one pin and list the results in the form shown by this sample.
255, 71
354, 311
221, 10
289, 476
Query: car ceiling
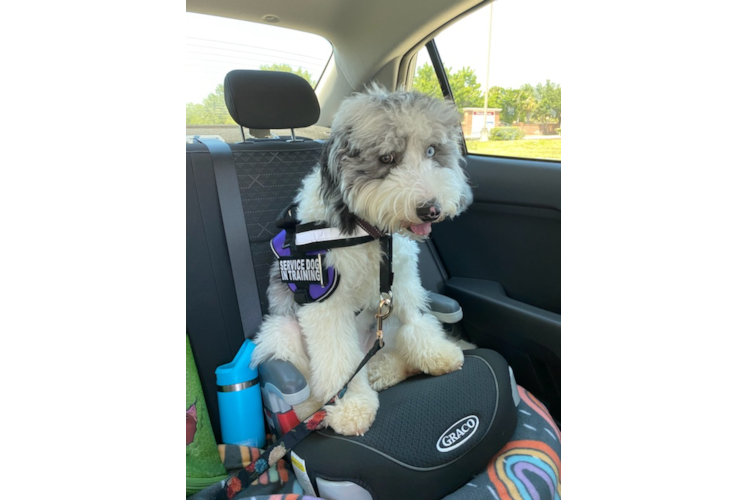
365, 35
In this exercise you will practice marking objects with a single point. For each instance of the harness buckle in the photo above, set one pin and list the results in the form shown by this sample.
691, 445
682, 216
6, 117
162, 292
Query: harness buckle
322, 272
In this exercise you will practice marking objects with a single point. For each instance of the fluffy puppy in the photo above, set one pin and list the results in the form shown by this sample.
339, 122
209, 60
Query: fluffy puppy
392, 160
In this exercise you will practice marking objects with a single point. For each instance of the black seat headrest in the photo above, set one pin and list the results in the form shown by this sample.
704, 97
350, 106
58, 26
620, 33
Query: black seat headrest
270, 99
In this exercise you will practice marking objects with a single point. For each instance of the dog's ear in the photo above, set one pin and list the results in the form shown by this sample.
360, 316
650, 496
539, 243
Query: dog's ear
466, 197
460, 155
334, 151
324, 159
333, 155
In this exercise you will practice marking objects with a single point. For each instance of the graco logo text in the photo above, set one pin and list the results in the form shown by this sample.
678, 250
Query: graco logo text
458, 434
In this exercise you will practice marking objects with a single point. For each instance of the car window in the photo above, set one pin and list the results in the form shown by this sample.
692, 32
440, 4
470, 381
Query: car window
218, 45
496, 48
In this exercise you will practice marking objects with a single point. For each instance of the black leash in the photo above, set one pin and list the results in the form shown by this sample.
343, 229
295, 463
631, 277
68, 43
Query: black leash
386, 276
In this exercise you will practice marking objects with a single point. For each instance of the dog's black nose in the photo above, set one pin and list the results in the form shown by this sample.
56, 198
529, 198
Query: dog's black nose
429, 212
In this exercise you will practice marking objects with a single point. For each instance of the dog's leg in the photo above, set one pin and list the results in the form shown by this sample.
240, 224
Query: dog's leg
422, 343
421, 339
354, 413
387, 369
280, 338
334, 353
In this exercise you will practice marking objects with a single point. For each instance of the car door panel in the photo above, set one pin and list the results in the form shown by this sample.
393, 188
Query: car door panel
502, 259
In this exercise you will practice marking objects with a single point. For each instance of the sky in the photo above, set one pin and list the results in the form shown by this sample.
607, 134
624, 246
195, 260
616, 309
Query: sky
522, 47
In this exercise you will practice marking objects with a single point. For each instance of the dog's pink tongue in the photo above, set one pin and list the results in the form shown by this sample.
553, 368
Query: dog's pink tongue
421, 229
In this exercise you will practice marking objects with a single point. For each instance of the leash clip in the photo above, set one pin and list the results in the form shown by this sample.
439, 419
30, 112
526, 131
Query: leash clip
385, 309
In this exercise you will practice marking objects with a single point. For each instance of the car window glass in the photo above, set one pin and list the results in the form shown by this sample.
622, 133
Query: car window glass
218, 45
496, 48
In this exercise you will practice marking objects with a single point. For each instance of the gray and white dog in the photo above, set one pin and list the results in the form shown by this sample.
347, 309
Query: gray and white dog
392, 160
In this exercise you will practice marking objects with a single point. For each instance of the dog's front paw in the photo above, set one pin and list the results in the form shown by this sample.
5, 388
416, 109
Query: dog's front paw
446, 359
352, 416
388, 369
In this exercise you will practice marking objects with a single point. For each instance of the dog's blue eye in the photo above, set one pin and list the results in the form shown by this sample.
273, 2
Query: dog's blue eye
431, 151
387, 159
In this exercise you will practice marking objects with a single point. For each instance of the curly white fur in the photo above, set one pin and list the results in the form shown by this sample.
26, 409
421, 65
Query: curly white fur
327, 340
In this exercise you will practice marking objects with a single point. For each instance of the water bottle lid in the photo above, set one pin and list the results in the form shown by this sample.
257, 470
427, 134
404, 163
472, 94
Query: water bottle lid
238, 371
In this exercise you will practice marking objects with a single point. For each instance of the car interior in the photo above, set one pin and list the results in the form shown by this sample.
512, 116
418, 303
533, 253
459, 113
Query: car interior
500, 261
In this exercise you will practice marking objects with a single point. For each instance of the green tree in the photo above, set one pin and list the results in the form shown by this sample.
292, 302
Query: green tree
528, 102
509, 100
212, 111
465, 88
196, 114
306, 75
425, 81
539, 104
549, 104
464, 85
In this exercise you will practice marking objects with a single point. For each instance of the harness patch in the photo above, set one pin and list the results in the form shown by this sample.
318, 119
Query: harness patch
305, 273
302, 270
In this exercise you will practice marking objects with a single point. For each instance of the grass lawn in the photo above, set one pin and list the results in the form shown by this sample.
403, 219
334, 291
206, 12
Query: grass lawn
549, 149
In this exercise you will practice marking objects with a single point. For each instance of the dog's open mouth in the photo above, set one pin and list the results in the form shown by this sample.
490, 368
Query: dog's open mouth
421, 229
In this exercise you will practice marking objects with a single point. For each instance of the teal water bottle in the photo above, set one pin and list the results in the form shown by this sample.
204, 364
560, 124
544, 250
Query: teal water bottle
240, 400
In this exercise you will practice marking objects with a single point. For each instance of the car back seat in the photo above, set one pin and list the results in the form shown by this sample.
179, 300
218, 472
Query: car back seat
269, 172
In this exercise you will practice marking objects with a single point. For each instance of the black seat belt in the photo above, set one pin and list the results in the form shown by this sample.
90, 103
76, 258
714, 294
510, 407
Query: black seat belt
237, 240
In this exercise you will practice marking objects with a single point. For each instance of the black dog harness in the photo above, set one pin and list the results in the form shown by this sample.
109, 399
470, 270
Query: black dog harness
301, 248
